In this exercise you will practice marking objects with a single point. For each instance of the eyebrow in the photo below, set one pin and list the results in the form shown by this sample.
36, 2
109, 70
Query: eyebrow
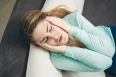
46, 32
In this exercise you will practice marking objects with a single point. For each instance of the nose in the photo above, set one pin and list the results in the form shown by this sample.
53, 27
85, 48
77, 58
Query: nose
53, 36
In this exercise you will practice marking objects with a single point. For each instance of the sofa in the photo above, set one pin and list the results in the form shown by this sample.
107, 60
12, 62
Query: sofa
14, 51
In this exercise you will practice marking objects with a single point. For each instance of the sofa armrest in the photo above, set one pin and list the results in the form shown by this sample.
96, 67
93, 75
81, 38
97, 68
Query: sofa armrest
39, 64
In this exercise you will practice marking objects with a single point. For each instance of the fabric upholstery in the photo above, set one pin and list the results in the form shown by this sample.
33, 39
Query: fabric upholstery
13, 49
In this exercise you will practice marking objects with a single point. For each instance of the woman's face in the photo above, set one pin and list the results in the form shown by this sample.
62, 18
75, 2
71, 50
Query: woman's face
50, 34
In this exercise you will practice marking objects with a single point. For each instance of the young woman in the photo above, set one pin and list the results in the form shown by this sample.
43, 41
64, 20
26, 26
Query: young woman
74, 43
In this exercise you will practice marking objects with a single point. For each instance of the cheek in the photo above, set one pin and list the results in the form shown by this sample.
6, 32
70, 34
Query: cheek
52, 42
60, 31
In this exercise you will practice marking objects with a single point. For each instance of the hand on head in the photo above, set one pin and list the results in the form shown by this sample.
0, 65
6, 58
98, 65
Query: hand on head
63, 25
61, 48
59, 22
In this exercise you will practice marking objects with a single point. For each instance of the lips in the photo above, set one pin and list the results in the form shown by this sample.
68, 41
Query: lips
60, 38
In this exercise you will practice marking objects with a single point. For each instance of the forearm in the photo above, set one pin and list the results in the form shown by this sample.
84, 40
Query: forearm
88, 34
63, 62
89, 57
92, 42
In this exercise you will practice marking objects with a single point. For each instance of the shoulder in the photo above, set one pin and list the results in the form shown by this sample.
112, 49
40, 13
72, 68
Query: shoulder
73, 18
74, 14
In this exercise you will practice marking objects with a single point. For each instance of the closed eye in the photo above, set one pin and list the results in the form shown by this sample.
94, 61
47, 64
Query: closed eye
49, 31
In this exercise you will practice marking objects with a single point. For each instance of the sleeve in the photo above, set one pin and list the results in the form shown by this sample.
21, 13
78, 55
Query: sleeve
89, 57
89, 35
92, 42
63, 62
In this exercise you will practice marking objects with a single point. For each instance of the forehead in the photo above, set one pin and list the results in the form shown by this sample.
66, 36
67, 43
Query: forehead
39, 31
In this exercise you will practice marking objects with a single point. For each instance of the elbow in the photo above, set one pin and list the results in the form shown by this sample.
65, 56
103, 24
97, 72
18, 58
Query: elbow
110, 50
104, 65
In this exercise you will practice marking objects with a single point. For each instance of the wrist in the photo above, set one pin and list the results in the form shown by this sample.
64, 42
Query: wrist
63, 50
69, 28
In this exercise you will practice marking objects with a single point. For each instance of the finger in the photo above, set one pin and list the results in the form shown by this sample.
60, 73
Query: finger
59, 23
43, 45
53, 20
46, 46
50, 17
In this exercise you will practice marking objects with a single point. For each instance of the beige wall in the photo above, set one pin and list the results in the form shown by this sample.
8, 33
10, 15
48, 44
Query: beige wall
6, 7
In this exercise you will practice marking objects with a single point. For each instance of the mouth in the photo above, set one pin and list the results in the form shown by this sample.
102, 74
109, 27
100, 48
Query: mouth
60, 38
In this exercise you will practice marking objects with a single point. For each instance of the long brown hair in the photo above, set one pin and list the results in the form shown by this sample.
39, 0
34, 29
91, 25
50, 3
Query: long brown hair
29, 20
